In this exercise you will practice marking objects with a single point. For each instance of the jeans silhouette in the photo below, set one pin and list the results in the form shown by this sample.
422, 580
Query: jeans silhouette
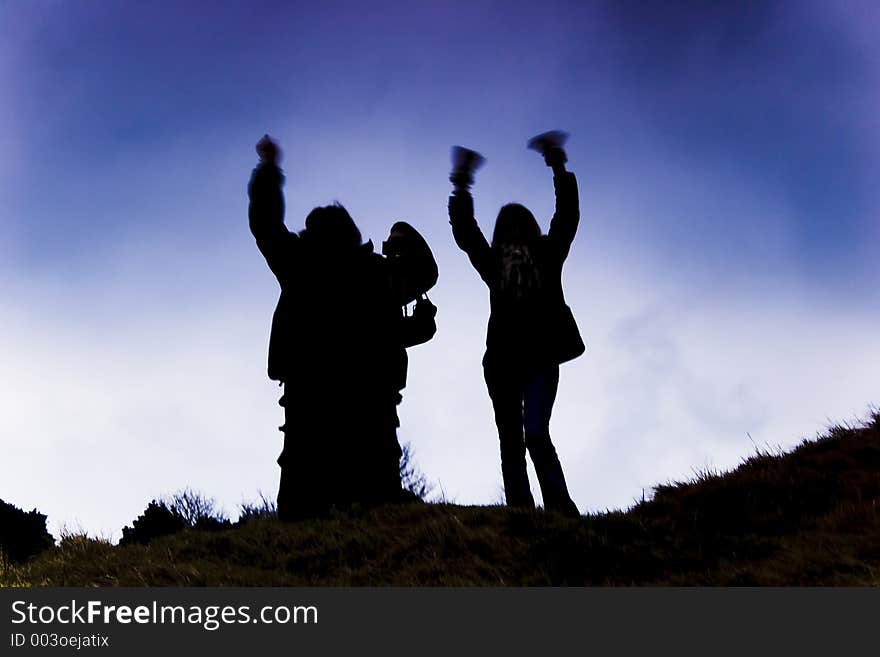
523, 402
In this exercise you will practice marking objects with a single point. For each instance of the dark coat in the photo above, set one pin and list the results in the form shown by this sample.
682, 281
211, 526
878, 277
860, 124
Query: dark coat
541, 331
336, 329
338, 321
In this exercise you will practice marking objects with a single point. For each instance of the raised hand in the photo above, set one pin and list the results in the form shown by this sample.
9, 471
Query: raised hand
550, 145
268, 150
464, 163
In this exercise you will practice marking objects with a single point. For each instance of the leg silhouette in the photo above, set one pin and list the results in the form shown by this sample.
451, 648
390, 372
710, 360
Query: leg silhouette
538, 398
507, 396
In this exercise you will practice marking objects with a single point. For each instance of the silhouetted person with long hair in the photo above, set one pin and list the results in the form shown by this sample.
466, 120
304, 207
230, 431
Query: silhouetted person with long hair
531, 329
336, 344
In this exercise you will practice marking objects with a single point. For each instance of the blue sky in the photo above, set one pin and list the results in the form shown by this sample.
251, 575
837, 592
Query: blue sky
723, 276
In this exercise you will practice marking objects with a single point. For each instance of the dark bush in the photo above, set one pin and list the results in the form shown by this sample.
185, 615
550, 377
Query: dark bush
156, 520
22, 535
185, 509
412, 479
264, 509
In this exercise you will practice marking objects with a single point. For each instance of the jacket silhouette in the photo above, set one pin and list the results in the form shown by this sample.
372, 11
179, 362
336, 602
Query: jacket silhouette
529, 321
531, 329
337, 344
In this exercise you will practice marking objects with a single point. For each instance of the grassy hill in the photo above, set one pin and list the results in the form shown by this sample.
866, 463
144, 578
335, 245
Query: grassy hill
808, 517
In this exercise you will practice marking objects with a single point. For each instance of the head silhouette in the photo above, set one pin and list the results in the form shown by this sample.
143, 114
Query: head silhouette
515, 225
330, 227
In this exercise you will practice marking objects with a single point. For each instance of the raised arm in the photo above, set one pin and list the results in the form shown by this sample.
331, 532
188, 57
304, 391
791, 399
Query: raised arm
565, 220
564, 223
266, 211
467, 233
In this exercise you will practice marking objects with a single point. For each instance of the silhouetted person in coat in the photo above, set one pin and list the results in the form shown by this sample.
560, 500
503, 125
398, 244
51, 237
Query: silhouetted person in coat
531, 329
336, 343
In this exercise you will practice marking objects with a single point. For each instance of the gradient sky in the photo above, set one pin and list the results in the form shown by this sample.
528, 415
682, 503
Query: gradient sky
724, 275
